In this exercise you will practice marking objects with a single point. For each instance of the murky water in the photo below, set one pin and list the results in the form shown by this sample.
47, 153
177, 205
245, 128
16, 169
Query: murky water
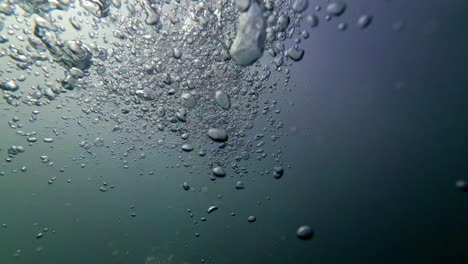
246, 131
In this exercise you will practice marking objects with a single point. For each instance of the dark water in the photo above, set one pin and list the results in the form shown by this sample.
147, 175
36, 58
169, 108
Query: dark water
375, 138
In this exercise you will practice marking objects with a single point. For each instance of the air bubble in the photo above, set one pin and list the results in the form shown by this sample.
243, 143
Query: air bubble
305, 232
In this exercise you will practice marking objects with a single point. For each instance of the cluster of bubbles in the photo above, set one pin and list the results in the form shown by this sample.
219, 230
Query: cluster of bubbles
178, 65
196, 72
